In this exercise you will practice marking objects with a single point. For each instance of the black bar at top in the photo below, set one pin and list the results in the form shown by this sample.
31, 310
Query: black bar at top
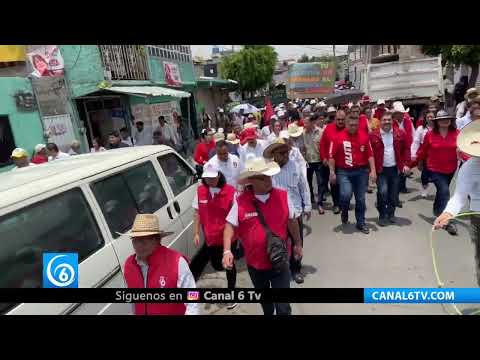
213, 295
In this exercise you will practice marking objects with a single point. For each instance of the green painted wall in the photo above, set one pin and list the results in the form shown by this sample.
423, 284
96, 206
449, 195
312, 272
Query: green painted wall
26, 125
83, 68
186, 72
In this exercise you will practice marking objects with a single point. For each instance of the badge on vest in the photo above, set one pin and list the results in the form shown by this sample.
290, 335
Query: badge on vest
162, 281
250, 214
203, 201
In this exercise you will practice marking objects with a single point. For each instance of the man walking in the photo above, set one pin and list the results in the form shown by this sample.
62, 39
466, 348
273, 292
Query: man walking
226, 163
329, 135
391, 155
262, 203
291, 179
251, 146
311, 140
142, 137
350, 158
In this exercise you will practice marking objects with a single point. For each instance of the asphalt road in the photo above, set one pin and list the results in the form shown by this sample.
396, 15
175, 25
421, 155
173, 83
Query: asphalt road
394, 256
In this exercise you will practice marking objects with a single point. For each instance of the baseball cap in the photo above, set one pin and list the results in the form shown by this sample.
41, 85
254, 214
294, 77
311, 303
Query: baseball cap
19, 153
210, 171
39, 147
380, 102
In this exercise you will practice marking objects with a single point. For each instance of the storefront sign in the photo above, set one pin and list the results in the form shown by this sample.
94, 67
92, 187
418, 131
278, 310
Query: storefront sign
46, 61
9, 53
25, 101
59, 130
172, 74
309, 80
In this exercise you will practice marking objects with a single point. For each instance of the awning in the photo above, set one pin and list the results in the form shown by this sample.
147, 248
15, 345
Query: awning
146, 91
205, 81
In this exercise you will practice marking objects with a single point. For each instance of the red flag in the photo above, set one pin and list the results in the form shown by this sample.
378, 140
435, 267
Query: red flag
268, 112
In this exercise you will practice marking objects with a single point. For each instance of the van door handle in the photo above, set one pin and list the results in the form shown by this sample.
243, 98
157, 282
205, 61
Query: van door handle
169, 212
176, 205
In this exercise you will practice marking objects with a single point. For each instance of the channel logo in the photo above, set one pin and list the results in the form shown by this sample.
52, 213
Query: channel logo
193, 296
60, 270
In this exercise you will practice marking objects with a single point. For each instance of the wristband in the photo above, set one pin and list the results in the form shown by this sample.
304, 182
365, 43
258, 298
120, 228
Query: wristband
227, 252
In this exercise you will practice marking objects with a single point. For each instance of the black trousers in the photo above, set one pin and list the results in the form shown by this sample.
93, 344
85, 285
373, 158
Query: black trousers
214, 254
296, 265
317, 169
265, 279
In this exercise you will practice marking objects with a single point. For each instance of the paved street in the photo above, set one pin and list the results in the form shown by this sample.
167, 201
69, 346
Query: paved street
395, 256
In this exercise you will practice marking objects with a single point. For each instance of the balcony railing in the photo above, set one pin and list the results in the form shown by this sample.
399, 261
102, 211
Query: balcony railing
125, 62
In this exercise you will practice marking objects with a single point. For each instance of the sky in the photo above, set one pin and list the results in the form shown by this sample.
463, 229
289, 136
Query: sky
284, 51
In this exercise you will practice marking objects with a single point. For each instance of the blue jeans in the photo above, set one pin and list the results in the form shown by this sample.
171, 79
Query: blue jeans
442, 183
425, 177
353, 181
387, 191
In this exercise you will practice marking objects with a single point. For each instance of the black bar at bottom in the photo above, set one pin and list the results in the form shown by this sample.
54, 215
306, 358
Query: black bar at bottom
242, 295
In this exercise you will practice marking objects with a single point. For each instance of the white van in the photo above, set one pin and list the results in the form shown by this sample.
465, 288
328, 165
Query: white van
80, 204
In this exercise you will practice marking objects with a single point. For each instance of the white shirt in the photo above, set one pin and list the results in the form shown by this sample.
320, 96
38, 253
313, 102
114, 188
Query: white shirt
185, 281
246, 152
461, 108
468, 184
271, 138
213, 191
60, 155
418, 140
232, 217
296, 156
388, 151
229, 168
128, 141
143, 138
266, 132
464, 121
168, 133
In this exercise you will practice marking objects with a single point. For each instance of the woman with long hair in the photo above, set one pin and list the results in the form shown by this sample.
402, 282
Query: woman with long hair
212, 203
418, 139
439, 152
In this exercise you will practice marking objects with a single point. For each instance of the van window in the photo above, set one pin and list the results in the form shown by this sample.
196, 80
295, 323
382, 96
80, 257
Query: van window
178, 174
63, 223
126, 194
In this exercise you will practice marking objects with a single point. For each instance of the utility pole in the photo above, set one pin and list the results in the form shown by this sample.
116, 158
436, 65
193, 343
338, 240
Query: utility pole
334, 51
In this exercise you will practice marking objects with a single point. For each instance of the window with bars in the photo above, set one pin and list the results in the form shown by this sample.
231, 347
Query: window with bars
179, 53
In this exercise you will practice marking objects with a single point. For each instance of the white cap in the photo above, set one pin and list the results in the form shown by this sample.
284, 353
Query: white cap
312, 102
210, 170
39, 148
381, 101
322, 104
280, 113
220, 130
331, 109
220, 110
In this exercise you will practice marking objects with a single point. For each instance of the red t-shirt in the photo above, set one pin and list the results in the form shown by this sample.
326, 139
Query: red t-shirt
39, 159
351, 151
202, 151
440, 152
363, 123
301, 123
329, 134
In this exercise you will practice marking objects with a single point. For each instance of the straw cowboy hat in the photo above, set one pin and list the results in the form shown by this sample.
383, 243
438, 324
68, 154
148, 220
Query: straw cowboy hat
219, 136
232, 139
443, 115
471, 94
399, 108
19, 153
294, 130
274, 146
468, 140
259, 166
146, 225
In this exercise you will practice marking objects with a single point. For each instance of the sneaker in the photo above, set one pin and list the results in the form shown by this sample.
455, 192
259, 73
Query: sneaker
392, 219
363, 228
231, 306
344, 217
336, 210
451, 229
424, 194
298, 277
321, 211
382, 222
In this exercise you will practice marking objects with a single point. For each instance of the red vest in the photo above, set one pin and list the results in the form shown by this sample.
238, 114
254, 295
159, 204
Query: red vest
400, 148
162, 273
213, 212
250, 230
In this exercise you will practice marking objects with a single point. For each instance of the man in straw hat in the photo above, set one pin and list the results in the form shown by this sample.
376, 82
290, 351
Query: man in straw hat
473, 102
467, 186
232, 144
20, 158
279, 216
291, 179
227, 163
156, 266
462, 107
402, 121
350, 159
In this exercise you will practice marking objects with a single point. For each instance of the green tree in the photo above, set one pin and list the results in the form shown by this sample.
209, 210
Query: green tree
252, 67
304, 59
457, 54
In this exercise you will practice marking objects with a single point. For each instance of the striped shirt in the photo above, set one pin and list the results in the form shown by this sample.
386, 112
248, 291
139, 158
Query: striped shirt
292, 179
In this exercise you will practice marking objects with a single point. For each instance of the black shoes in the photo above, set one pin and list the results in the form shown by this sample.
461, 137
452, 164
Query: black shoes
392, 219
405, 191
298, 277
336, 210
344, 217
400, 204
382, 222
363, 228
